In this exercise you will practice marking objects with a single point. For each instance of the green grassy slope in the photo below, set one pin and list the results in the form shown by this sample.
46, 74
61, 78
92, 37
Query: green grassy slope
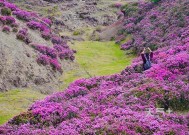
16, 101
96, 59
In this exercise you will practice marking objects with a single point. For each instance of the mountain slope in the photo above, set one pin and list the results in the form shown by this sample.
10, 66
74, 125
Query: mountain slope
71, 15
124, 103
18, 65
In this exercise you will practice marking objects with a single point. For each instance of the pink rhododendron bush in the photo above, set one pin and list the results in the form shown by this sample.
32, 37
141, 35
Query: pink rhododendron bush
120, 104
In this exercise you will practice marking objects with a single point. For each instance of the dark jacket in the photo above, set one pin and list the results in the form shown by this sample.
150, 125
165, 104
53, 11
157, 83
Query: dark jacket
147, 55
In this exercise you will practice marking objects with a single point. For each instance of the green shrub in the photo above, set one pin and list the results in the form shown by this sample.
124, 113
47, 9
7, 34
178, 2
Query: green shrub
155, 1
152, 46
22, 118
130, 9
14, 29
77, 32
6, 11
98, 28
120, 32
179, 104
112, 39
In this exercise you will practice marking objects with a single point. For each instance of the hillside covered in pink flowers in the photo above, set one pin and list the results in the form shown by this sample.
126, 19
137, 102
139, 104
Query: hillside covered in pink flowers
126, 103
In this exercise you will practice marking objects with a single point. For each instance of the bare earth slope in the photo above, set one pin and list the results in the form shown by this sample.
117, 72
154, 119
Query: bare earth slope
75, 14
18, 67
19, 64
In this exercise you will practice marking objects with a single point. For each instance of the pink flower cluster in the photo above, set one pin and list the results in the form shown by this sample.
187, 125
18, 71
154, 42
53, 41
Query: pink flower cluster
43, 27
126, 45
22, 34
51, 55
46, 50
36, 25
13, 7
6, 29
47, 21
7, 20
46, 60
23, 15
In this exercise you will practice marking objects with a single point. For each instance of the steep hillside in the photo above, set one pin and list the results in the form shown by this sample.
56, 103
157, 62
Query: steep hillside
73, 18
155, 25
31, 53
74, 14
126, 103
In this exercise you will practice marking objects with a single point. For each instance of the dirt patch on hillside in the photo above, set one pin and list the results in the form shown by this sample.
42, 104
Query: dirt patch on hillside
75, 14
18, 67
109, 32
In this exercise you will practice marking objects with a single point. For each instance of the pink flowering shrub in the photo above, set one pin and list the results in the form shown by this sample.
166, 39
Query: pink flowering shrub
22, 34
50, 55
36, 25
160, 73
11, 6
64, 52
42, 27
3, 19
56, 40
43, 59
60, 47
129, 28
46, 50
23, 15
6, 29
46, 34
57, 49
8, 20
23, 31
47, 21
46, 60
157, 24
126, 45
55, 64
